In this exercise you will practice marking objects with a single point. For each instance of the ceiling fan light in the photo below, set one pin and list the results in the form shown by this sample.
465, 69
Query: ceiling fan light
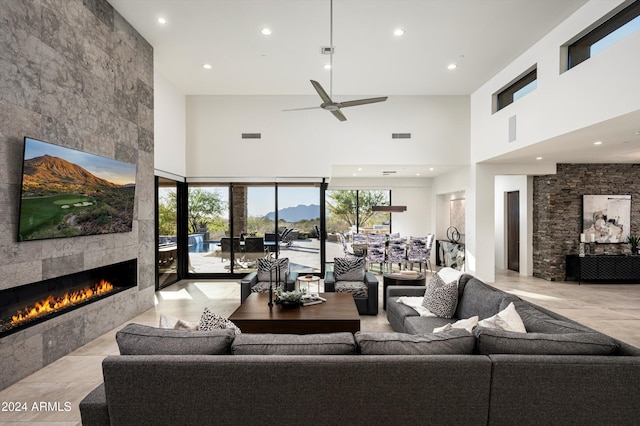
265, 31
398, 32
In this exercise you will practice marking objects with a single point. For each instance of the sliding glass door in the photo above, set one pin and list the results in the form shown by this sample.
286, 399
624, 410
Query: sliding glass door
299, 217
167, 232
208, 229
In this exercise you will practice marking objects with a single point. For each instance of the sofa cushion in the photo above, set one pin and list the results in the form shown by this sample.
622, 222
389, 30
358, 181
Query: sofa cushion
349, 269
496, 341
449, 342
356, 288
480, 299
466, 324
294, 344
507, 319
537, 321
424, 325
138, 339
441, 298
268, 267
210, 321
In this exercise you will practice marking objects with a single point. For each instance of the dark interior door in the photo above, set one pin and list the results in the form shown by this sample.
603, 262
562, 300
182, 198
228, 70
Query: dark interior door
513, 231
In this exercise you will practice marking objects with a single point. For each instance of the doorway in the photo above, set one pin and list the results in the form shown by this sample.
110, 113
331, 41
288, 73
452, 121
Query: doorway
513, 231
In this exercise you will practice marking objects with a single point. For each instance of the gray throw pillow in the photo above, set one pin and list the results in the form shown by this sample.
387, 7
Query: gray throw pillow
268, 268
495, 341
348, 269
138, 339
210, 321
457, 341
441, 298
294, 344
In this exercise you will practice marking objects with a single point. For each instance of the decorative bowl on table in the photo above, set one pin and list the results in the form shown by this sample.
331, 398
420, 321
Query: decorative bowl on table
289, 299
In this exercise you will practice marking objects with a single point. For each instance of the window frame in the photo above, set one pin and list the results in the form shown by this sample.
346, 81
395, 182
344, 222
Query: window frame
580, 50
505, 96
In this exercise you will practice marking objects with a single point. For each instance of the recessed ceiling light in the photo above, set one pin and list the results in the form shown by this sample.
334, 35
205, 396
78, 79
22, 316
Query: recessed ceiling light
417, 174
353, 175
207, 66
162, 21
452, 66
398, 32
327, 66
430, 169
597, 143
538, 158
359, 169
266, 31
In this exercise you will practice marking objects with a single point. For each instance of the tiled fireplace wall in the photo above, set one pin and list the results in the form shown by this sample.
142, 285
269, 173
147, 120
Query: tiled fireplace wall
74, 73
557, 217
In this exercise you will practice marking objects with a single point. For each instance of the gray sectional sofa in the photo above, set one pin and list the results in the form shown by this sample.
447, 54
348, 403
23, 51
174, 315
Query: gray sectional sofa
412, 376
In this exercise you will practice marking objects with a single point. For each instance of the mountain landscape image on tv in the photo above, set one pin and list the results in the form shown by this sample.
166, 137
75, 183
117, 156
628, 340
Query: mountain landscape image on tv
68, 193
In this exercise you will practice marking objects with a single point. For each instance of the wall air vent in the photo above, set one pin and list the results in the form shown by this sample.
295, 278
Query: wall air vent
327, 50
388, 172
400, 135
252, 136
512, 128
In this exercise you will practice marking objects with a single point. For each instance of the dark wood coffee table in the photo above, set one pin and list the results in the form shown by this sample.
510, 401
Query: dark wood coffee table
338, 313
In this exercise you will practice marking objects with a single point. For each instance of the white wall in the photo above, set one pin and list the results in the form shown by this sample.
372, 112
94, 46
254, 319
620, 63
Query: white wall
169, 127
603, 87
308, 143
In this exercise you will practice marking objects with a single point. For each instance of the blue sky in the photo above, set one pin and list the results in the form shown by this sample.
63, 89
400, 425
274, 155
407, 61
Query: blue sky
114, 171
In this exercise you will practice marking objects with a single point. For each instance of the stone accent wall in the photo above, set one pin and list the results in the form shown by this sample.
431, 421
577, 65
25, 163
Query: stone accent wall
239, 195
76, 74
557, 216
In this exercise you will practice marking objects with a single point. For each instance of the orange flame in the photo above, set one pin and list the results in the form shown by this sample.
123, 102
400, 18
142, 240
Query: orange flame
53, 303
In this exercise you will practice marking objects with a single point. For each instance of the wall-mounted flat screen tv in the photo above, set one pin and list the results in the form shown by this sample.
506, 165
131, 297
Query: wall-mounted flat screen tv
69, 193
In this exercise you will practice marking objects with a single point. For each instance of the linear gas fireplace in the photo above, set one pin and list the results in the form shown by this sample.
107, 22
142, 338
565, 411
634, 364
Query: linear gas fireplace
30, 304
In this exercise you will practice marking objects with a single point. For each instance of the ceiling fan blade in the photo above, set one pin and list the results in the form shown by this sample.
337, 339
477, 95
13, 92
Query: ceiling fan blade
321, 92
300, 109
339, 115
361, 102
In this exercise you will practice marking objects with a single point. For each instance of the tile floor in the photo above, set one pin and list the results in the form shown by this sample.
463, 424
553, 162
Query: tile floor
611, 308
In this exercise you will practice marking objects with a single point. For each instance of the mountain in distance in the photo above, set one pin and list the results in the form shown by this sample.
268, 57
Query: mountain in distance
297, 213
55, 175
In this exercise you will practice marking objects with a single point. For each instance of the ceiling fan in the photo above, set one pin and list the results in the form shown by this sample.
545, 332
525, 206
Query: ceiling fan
327, 103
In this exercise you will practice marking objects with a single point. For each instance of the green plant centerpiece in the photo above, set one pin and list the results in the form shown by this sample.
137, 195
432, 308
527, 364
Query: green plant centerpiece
289, 299
633, 240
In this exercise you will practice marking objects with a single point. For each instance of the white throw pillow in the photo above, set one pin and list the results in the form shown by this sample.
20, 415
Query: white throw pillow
507, 319
467, 324
449, 274
167, 321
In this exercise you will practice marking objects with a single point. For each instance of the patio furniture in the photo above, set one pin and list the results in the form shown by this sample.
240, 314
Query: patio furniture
254, 248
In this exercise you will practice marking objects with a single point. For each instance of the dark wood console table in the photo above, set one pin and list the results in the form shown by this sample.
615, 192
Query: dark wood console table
603, 268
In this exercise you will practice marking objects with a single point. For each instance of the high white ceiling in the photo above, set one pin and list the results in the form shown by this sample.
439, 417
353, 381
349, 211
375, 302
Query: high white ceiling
480, 36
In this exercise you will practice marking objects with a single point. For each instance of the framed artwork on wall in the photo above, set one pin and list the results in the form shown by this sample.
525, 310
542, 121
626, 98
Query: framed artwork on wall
456, 215
606, 218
